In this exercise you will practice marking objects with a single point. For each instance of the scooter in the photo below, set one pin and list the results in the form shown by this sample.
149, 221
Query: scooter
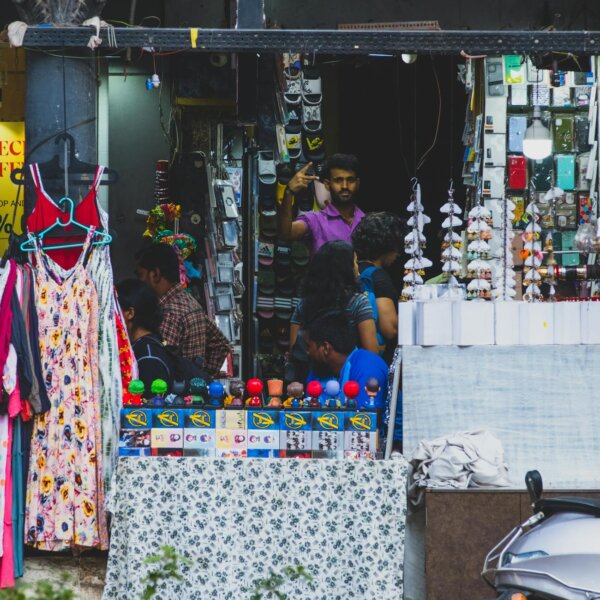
553, 555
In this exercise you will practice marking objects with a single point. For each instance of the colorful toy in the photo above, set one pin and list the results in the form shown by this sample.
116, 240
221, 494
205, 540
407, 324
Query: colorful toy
254, 387
133, 397
275, 392
332, 391
198, 391
351, 391
236, 394
295, 391
314, 389
216, 391
159, 389
372, 388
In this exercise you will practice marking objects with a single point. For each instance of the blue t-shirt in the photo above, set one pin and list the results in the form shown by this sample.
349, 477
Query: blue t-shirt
360, 366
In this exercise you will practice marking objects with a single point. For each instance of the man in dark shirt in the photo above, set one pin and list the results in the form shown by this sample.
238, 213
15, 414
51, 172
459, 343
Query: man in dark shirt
377, 242
185, 325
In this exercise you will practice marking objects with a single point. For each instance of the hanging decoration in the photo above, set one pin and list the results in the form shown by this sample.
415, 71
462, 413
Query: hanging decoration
532, 253
479, 233
161, 217
504, 281
452, 242
414, 243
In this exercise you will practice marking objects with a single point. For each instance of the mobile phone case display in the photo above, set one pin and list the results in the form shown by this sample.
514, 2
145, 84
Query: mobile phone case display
452, 242
414, 243
513, 86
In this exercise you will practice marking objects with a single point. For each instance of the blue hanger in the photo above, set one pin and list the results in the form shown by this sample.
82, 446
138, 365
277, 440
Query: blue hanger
102, 237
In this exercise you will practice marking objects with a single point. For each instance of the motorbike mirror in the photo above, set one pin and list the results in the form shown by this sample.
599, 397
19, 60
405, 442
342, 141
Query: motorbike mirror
534, 484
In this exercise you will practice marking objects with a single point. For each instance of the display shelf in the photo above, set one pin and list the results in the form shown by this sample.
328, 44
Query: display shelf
322, 40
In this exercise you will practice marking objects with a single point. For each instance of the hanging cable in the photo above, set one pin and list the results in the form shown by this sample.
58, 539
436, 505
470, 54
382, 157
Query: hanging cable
439, 118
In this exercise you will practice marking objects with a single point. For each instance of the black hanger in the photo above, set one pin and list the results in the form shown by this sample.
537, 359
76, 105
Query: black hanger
78, 172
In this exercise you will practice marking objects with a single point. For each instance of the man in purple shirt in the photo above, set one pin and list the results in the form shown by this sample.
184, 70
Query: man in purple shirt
338, 219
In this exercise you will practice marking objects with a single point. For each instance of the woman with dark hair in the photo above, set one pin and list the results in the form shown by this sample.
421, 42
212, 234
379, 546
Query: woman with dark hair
142, 316
377, 241
330, 286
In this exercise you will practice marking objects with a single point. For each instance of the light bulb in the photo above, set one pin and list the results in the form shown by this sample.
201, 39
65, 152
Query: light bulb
537, 143
409, 58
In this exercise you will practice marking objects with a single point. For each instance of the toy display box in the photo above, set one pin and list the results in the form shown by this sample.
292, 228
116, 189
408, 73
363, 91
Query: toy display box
296, 434
361, 435
199, 433
328, 434
231, 433
167, 432
263, 433
136, 427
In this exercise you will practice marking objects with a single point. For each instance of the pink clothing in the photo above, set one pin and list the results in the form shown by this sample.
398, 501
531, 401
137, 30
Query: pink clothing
7, 564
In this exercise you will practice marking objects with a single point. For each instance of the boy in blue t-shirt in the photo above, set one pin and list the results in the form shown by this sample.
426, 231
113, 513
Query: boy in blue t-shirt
331, 346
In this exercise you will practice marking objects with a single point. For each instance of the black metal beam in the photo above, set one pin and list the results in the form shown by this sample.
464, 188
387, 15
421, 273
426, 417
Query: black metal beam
326, 41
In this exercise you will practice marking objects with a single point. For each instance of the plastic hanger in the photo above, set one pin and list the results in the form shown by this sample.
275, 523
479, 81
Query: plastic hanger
103, 238
76, 171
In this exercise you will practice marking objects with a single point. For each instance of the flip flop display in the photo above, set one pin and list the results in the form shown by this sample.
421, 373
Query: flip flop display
266, 168
311, 86
293, 141
414, 243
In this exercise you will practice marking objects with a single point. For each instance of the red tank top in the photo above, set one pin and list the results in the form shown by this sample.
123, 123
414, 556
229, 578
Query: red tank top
46, 212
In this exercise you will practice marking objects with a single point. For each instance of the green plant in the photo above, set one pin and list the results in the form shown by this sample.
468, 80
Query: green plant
167, 565
40, 590
269, 587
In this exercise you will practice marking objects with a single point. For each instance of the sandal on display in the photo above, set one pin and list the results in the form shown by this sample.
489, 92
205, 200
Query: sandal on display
293, 91
266, 167
311, 117
293, 140
268, 224
311, 86
313, 145
292, 65
267, 195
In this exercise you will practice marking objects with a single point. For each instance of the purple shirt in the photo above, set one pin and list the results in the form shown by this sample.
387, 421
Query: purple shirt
328, 225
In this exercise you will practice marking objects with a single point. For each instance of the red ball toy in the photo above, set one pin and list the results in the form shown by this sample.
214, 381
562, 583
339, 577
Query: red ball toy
254, 387
314, 388
351, 389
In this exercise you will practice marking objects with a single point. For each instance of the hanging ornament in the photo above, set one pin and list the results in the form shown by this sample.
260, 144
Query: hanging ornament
479, 270
532, 253
504, 282
414, 242
452, 242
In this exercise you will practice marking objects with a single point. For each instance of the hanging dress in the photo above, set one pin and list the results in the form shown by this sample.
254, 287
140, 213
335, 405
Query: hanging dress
65, 496
88, 212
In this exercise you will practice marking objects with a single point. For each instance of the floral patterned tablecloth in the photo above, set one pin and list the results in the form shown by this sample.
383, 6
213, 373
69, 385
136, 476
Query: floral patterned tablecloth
342, 520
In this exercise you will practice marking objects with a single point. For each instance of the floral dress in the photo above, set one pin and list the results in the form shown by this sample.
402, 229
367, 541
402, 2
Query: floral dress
65, 498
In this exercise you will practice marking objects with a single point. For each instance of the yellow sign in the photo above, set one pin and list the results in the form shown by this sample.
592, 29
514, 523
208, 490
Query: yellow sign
137, 418
262, 420
329, 421
361, 422
12, 156
168, 418
294, 420
200, 419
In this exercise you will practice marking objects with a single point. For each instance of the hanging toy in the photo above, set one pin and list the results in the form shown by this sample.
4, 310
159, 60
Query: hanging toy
504, 282
452, 243
478, 269
414, 243
532, 252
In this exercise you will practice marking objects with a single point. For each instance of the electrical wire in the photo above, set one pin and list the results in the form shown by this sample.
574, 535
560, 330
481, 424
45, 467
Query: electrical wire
421, 161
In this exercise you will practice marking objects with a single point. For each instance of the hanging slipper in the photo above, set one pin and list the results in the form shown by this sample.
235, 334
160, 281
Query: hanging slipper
292, 65
311, 86
311, 117
293, 91
293, 140
266, 167
313, 145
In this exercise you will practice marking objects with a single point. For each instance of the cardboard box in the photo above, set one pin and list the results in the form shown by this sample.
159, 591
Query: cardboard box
590, 322
296, 432
407, 323
328, 434
263, 430
507, 323
199, 433
167, 428
135, 435
567, 323
231, 419
473, 323
434, 323
361, 434
536, 323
